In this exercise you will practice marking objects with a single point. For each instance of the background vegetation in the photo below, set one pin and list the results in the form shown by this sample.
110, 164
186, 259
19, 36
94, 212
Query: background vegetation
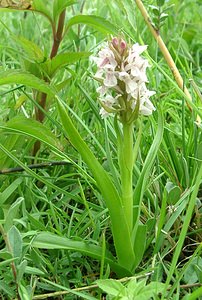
52, 215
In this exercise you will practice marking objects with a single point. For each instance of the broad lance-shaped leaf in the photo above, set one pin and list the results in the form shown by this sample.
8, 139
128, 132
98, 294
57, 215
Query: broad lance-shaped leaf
47, 240
66, 59
100, 24
15, 241
120, 230
25, 78
34, 129
31, 50
12, 213
9, 190
111, 287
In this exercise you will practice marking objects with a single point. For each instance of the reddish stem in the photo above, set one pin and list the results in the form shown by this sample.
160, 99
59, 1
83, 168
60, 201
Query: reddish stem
58, 35
57, 39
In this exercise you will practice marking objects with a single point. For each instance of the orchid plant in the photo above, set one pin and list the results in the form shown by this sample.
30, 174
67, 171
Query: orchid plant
123, 93
121, 72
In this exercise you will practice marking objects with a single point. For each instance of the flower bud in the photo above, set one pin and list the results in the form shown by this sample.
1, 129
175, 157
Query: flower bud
115, 42
123, 45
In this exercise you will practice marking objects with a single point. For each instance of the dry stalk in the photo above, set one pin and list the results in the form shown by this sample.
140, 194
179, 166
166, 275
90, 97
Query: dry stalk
165, 52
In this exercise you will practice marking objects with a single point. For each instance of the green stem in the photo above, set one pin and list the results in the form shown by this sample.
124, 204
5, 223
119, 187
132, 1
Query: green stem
126, 171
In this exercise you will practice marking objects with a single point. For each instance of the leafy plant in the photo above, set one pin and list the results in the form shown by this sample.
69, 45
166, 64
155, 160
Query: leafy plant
134, 290
159, 13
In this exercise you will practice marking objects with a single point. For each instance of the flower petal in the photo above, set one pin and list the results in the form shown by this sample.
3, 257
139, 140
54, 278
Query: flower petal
110, 80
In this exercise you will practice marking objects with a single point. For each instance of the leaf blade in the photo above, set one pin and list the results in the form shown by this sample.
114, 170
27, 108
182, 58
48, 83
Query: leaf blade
96, 22
25, 78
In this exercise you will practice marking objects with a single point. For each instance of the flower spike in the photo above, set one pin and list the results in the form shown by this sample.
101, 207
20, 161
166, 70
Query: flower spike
122, 70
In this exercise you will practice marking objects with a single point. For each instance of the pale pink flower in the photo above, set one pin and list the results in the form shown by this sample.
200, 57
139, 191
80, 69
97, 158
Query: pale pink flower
147, 108
137, 49
106, 59
131, 85
107, 105
102, 90
104, 114
110, 79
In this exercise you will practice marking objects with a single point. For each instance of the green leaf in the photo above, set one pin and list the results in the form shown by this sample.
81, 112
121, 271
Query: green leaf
199, 151
34, 223
196, 295
140, 243
122, 238
34, 129
191, 276
160, 2
111, 287
9, 190
65, 59
6, 288
12, 213
25, 78
174, 193
63, 84
155, 10
15, 241
5, 254
59, 6
44, 9
11, 143
186, 221
21, 270
155, 287
32, 51
171, 147
46, 240
137, 288
34, 271
23, 293
163, 17
36, 69
8, 262
96, 22
142, 181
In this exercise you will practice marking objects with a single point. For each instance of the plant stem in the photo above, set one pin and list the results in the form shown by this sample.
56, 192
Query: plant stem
57, 39
34, 166
89, 287
126, 171
58, 36
119, 222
